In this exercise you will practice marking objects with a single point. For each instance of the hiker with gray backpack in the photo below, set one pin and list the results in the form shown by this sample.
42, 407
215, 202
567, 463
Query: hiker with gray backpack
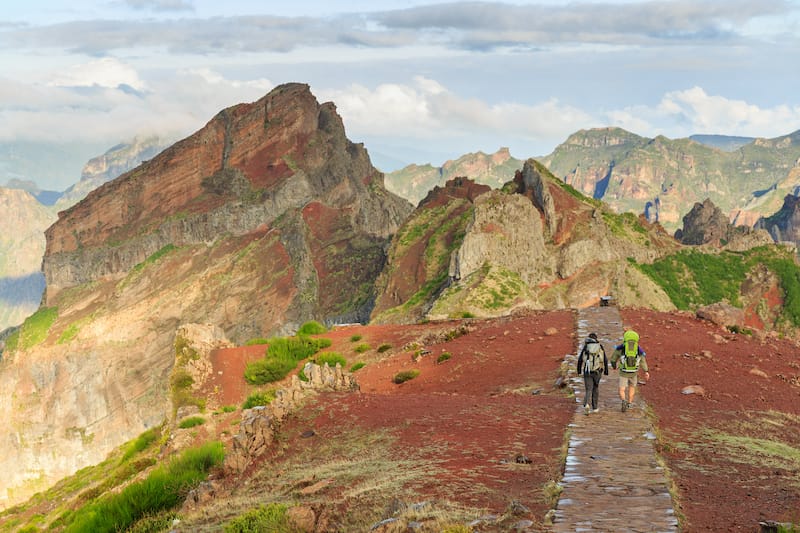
592, 364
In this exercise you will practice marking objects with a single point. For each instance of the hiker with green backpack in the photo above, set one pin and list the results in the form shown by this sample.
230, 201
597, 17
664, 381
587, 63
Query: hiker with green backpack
631, 358
592, 363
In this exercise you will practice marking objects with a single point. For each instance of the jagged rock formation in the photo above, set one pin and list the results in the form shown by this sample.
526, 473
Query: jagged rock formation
264, 219
533, 244
704, 224
660, 176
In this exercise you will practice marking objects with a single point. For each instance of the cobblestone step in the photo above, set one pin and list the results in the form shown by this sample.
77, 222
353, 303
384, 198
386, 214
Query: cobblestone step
612, 480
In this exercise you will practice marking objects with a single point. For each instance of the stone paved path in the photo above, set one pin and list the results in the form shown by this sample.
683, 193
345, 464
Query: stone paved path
612, 480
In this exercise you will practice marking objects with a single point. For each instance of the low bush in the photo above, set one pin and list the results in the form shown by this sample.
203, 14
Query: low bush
358, 366
361, 348
383, 347
355, 338
405, 375
282, 356
256, 340
443, 357
312, 328
191, 422
259, 398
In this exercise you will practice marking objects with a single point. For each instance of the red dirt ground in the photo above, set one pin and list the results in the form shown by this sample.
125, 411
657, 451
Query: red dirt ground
724, 488
495, 399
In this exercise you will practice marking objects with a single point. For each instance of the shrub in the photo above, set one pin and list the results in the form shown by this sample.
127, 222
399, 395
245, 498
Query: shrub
270, 518
228, 408
405, 375
361, 348
355, 338
443, 357
383, 347
467, 314
268, 370
331, 358
259, 398
282, 357
191, 422
162, 489
256, 340
312, 328
358, 366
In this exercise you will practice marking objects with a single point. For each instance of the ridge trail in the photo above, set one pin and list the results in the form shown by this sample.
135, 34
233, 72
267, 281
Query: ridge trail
612, 481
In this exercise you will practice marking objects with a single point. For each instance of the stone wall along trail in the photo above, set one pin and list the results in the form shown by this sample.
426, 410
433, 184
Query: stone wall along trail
612, 480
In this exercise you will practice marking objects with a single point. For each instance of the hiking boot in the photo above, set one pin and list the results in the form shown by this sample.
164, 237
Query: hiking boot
586, 409
596, 410
624, 406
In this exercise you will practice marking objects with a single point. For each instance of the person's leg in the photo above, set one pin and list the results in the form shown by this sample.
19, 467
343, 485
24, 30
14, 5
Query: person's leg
595, 390
632, 388
588, 383
623, 384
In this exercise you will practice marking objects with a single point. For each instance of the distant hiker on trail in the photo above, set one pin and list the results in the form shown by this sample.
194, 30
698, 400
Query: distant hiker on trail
592, 363
631, 357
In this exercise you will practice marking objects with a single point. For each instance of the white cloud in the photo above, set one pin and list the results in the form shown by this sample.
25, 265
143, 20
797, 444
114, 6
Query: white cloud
690, 111
426, 109
105, 72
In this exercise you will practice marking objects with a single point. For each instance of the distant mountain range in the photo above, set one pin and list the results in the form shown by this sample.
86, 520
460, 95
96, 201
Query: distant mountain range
662, 178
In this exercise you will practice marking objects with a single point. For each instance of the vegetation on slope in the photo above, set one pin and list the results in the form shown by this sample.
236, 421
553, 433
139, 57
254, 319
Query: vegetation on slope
692, 278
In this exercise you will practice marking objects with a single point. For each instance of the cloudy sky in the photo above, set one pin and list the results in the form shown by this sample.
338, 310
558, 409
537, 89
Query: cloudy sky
415, 80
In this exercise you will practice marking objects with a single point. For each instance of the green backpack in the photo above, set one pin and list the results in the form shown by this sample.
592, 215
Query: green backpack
630, 352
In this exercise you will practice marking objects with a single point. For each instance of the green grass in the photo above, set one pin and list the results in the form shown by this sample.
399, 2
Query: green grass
191, 422
358, 366
383, 347
259, 398
443, 357
265, 519
692, 278
141, 443
257, 340
312, 328
405, 375
34, 330
361, 348
330, 358
164, 488
355, 338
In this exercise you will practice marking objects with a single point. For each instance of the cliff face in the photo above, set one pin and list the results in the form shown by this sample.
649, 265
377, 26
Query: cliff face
265, 218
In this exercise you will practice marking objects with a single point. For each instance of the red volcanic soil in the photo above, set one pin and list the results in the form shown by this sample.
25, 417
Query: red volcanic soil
734, 449
733, 452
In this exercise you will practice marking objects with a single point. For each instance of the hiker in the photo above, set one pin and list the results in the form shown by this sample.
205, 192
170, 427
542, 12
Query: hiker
630, 357
592, 363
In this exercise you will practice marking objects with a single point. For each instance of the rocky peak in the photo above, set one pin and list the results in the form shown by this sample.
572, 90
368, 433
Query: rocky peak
244, 169
704, 224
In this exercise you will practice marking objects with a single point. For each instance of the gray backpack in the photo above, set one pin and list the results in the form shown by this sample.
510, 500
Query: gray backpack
594, 358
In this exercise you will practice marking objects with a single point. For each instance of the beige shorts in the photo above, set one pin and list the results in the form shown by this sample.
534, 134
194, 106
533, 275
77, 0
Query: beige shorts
626, 379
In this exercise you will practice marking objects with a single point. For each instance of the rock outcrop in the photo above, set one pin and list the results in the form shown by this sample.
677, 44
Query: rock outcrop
259, 425
705, 224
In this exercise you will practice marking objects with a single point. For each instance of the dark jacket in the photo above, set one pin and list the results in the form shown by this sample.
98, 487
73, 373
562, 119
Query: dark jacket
584, 355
